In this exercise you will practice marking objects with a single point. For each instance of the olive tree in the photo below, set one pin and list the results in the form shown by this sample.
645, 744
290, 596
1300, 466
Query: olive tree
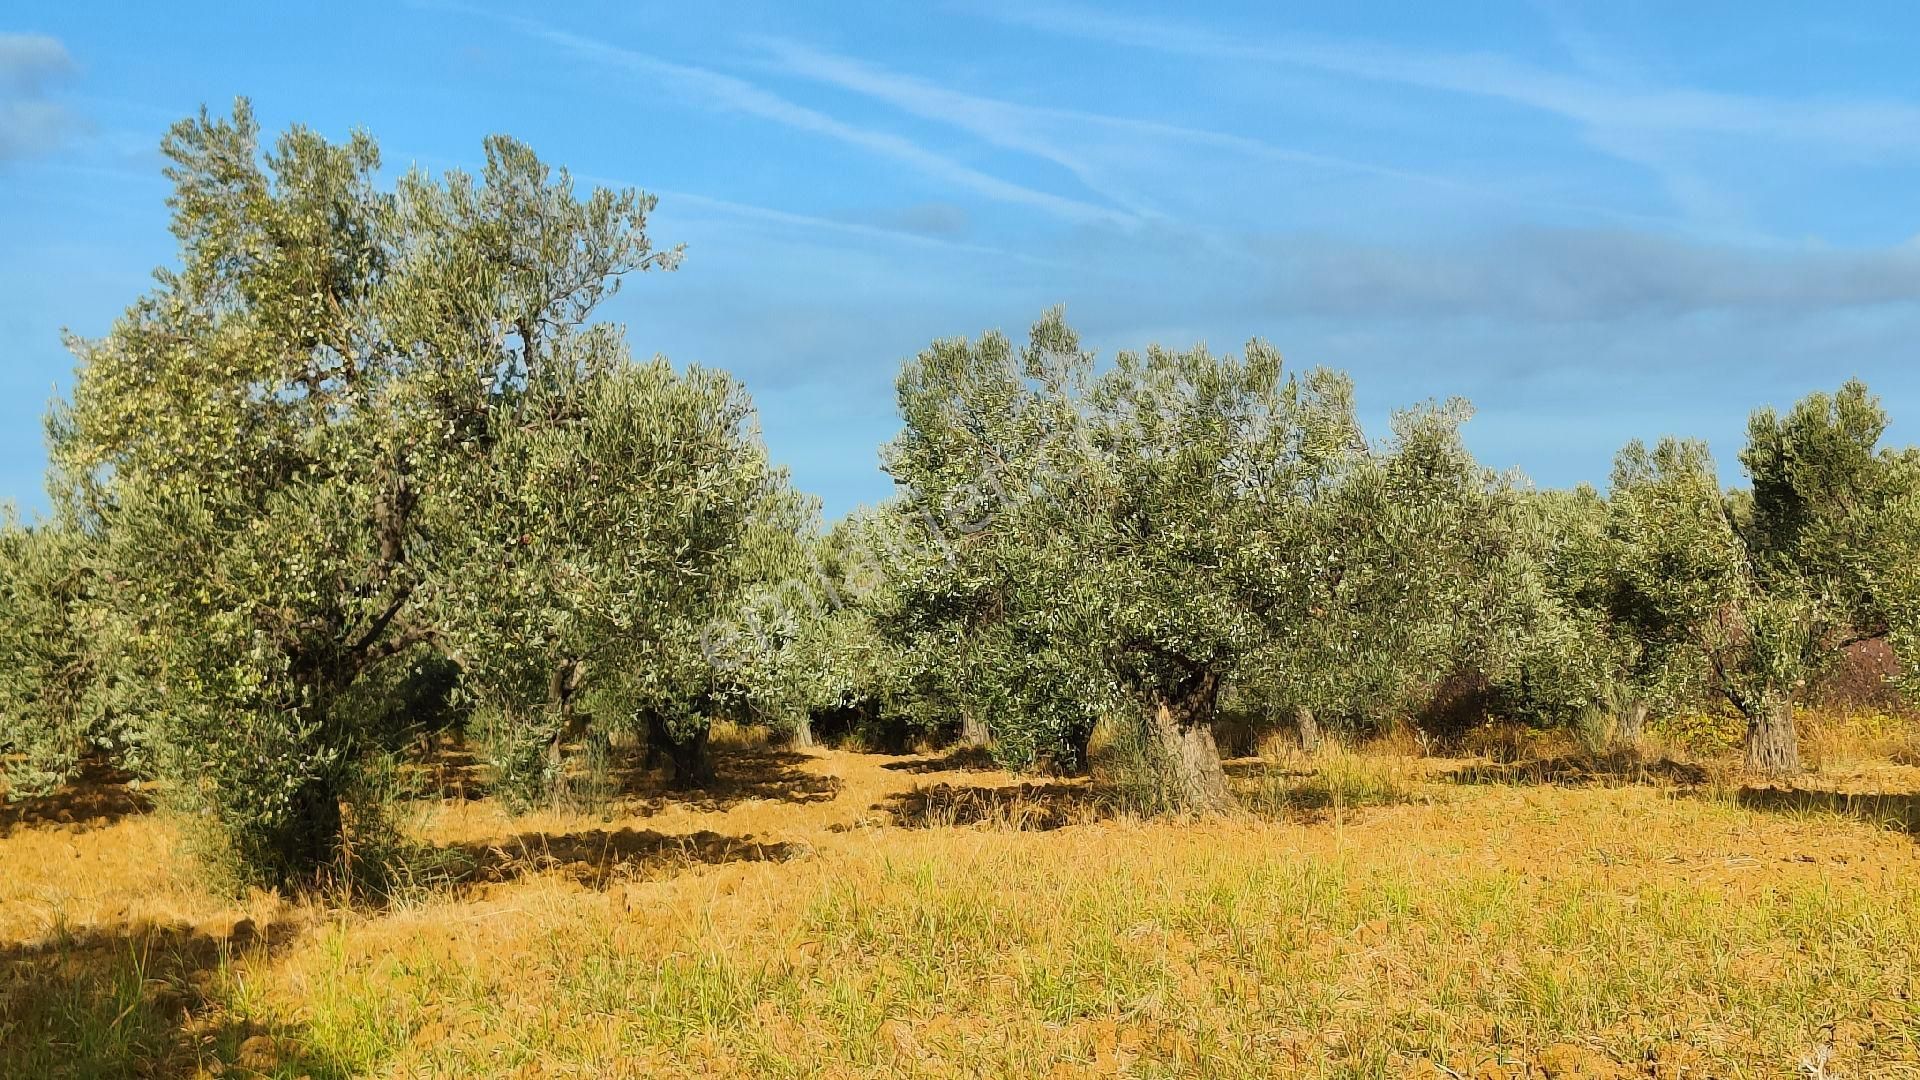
850, 671
1764, 588
975, 570
1115, 547
1590, 655
260, 439
615, 515
1403, 563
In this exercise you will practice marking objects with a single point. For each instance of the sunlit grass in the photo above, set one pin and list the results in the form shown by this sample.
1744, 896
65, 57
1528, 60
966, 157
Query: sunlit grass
1369, 916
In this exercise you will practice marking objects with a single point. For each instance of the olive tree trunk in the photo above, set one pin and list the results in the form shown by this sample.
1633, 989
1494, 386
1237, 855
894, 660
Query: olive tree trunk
687, 760
310, 838
1080, 760
1773, 747
973, 730
1633, 724
569, 725
802, 737
1180, 734
1309, 726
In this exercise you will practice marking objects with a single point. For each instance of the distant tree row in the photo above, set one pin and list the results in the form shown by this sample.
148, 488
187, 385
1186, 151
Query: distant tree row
362, 466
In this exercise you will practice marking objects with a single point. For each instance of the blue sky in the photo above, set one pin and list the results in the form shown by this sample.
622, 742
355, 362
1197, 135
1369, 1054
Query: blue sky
1596, 222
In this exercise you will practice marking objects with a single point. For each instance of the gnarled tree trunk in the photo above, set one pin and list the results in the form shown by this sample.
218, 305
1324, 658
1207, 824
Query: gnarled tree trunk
1180, 732
1773, 746
802, 737
570, 725
973, 730
1079, 759
1309, 725
1633, 724
686, 758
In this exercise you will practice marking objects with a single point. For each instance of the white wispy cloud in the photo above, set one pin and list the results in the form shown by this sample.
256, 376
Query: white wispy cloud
855, 229
729, 93
1004, 124
1675, 133
1073, 138
1862, 126
1033, 128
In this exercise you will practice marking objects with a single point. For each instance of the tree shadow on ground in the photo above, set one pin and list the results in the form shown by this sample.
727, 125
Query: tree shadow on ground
741, 774
1024, 807
958, 759
97, 796
1611, 768
1896, 812
598, 857
143, 1001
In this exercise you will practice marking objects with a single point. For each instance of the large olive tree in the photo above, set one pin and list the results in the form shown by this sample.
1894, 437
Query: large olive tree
260, 440
1112, 544
978, 573
1404, 564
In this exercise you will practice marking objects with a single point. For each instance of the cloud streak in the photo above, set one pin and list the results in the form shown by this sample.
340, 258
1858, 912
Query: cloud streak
1035, 130
1072, 138
1677, 134
1862, 126
728, 93
923, 226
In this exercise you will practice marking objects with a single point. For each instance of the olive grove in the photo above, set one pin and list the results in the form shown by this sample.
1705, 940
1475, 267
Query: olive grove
363, 464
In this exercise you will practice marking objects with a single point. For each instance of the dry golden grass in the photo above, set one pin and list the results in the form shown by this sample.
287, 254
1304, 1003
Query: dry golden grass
828, 913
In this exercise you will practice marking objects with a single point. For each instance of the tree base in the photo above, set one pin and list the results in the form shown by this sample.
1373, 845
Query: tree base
973, 731
1192, 777
1773, 745
1309, 728
688, 763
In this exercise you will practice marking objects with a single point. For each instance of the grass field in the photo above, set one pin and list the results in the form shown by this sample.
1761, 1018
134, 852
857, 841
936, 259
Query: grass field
833, 913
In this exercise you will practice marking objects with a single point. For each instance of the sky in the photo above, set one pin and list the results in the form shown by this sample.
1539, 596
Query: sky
1595, 222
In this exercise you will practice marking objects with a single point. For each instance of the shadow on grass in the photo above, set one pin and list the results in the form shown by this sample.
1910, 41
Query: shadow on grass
1580, 770
741, 774
1025, 807
597, 857
959, 759
96, 797
1897, 812
142, 1001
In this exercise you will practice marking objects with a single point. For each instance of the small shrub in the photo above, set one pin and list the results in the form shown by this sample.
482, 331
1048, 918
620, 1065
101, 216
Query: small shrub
1129, 767
524, 773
